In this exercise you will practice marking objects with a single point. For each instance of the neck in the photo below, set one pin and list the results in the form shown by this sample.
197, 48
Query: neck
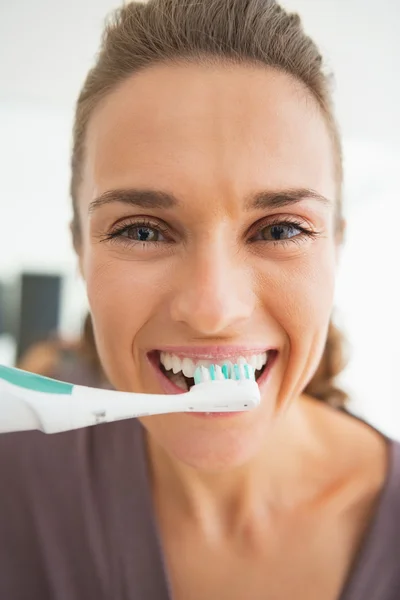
273, 478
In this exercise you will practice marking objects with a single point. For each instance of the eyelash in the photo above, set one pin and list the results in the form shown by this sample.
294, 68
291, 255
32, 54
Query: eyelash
305, 232
116, 236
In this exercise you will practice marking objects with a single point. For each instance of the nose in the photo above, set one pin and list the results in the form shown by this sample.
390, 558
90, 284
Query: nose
215, 294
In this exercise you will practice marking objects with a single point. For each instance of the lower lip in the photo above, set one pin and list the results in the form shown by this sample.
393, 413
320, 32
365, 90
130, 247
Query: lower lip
215, 415
170, 388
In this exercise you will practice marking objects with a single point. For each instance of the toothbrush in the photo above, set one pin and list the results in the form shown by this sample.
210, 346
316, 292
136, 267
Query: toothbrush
30, 401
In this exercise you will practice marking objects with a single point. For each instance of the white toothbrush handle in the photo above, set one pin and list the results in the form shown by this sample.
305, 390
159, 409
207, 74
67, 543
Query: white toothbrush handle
16, 414
22, 409
102, 406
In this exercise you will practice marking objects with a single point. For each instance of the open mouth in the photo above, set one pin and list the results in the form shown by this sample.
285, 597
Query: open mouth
179, 370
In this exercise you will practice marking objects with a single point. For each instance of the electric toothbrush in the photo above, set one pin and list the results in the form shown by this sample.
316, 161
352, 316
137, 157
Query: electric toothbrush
29, 401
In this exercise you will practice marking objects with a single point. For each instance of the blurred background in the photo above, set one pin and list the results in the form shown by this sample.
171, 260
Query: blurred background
46, 48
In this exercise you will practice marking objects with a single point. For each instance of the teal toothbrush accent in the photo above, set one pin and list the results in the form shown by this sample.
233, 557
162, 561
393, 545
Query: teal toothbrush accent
212, 372
197, 376
33, 382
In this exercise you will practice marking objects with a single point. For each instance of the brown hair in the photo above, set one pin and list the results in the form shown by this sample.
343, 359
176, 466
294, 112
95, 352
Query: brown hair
257, 32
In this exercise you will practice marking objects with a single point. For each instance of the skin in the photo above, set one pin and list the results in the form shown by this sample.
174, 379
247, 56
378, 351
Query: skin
292, 482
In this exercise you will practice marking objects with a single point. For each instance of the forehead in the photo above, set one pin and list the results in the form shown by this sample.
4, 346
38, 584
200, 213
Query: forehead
197, 130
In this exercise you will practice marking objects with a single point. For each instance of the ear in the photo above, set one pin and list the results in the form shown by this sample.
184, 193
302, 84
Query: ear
77, 245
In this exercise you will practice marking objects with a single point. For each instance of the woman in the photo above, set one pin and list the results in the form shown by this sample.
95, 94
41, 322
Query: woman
206, 186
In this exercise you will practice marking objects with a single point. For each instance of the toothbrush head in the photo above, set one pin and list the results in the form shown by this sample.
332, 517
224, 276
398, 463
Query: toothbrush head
225, 389
236, 372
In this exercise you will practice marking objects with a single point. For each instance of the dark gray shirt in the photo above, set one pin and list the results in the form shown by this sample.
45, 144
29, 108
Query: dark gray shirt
76, 521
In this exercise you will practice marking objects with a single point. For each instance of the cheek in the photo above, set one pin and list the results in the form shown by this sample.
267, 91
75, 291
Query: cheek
299, 295
118, 292
122, 295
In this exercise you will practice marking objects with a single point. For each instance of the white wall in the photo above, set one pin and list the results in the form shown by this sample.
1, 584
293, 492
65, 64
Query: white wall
34, 157
35, 206
368, 291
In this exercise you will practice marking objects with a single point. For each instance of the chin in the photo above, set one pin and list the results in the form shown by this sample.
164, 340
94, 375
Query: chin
211, 444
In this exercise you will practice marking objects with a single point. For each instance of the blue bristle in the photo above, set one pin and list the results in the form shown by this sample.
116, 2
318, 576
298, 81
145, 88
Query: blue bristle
197, 375
235, 372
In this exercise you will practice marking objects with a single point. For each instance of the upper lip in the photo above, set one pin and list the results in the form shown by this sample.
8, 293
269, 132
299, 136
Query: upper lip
213, 352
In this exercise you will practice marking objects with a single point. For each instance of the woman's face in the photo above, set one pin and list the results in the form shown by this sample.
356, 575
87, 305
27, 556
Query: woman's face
208, 233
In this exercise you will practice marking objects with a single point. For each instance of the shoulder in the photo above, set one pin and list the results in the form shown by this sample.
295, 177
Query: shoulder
376, 572
392, 487
365, 466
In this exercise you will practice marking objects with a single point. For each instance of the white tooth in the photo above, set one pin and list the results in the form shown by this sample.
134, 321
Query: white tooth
188, 367
259, 361
166, 360
253, 361
203, 363
241, 360
176, 364
264, 358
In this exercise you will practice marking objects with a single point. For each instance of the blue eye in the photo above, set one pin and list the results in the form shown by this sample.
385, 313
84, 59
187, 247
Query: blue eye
278, 232
142, 233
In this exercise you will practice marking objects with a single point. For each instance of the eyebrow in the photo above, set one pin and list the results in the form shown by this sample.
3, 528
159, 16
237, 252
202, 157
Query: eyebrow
134, 197
156, 199
281, 198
